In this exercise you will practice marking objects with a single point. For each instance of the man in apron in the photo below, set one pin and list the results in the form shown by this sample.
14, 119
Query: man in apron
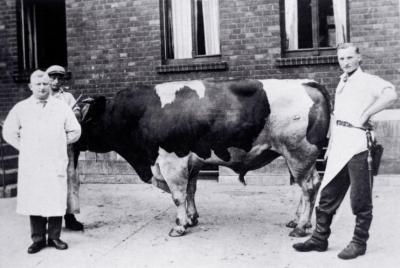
358, 96
57, 76
40, 127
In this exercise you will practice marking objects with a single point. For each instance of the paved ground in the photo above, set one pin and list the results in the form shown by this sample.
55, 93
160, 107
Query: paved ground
128, 225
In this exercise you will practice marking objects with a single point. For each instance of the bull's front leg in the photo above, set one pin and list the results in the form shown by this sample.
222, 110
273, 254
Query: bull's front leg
174, 171
309, 189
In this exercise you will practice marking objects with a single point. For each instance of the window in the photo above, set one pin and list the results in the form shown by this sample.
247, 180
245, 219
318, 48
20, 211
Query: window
190, 28
313, 27
41, 34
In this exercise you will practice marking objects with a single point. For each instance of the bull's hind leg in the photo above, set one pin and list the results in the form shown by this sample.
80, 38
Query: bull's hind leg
309, 188
195, 164
192, 213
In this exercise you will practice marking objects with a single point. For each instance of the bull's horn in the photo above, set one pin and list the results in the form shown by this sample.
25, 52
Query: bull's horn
88, 100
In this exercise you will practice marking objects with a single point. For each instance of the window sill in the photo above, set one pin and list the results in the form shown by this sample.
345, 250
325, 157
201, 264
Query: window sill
193, 67
308, 60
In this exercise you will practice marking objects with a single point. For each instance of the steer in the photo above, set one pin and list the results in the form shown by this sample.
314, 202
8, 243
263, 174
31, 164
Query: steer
167, 133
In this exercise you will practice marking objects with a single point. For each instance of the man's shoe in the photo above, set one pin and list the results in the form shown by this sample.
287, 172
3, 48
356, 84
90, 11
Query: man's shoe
57, 243
36, 247
352, 251
71, 223
310, 245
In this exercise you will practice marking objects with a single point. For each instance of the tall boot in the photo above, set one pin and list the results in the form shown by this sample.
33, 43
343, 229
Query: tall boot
358, 244
361, 230
71, 223
319, 238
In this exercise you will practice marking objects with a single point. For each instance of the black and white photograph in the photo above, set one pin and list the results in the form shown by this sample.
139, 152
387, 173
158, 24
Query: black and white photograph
199, 133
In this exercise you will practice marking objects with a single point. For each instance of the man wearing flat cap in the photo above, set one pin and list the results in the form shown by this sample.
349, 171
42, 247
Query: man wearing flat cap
57, 78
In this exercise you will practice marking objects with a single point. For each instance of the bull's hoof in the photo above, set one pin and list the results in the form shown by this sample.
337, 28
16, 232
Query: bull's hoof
193, 222
177, 231
298, 232
291, 224
308, 225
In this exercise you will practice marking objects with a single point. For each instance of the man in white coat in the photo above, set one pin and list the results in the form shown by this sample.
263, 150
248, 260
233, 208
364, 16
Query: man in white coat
57, 76
40, 127
358, 96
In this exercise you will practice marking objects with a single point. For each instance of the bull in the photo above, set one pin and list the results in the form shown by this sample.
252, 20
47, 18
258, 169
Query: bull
168, 132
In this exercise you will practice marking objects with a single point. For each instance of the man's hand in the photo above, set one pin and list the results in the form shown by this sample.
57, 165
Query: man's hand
78, 115
364, 120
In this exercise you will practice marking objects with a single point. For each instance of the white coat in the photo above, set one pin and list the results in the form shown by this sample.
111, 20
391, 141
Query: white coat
41, 134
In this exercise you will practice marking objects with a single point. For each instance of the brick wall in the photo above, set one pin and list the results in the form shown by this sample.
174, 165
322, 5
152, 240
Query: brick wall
114, 43
10, 92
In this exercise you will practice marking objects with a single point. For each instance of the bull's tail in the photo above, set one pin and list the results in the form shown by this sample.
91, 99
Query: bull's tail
324, 92
242, 179
319, 115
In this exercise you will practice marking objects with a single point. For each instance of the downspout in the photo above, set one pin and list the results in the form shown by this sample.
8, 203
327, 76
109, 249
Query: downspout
2, 161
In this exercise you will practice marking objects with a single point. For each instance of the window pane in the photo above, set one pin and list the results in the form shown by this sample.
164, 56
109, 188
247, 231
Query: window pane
51, 33
327, 35
179, 27
42, 37
305, 24
207, 27
315, 23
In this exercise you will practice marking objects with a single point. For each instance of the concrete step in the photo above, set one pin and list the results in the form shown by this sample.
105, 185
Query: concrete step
8, 177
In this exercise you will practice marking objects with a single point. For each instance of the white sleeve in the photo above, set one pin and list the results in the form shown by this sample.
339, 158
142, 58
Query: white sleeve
378, 85
12, 127
72, 127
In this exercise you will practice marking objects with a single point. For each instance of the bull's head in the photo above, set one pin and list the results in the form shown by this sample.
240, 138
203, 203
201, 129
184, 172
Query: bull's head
91, 123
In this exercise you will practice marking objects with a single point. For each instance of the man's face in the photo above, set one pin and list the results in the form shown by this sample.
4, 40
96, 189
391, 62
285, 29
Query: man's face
56, 81
349, 59
40, 87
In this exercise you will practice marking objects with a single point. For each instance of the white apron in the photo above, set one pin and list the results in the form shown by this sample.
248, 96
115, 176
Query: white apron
352, 98
42, 173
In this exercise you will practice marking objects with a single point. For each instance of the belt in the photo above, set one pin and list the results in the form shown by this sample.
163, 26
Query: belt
350, 125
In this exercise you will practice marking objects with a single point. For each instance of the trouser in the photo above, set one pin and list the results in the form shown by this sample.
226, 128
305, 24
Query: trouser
73, 183
356, 176
38, 227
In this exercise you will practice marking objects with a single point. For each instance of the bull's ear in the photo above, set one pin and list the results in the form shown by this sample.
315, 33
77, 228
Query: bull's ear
88, 100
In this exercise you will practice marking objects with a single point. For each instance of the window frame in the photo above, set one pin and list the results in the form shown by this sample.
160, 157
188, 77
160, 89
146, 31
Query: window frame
25, 63
316, 51
165, 36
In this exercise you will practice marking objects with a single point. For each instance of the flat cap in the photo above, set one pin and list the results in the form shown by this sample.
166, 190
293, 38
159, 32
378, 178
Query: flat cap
55, 69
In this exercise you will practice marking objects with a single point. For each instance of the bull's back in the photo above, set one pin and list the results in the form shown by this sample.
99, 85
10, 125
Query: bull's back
299, 112
211, 116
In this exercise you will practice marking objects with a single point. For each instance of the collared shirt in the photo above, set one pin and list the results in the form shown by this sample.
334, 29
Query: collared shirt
356, 93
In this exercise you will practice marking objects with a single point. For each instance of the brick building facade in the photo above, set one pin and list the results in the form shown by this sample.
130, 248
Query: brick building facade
111, 44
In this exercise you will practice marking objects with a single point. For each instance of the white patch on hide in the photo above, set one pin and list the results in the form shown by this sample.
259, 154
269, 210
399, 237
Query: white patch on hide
166, 91
290, 106
289, 95
170, 167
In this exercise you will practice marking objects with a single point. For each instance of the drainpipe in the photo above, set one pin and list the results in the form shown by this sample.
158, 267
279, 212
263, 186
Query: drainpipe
2, 161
